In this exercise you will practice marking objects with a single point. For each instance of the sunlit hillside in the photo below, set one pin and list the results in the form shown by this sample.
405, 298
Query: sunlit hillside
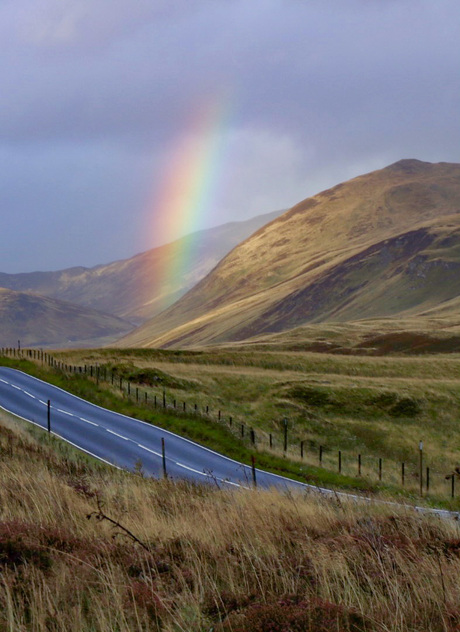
384, 244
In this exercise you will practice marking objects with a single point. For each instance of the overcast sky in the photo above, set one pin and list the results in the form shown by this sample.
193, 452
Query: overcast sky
108, 105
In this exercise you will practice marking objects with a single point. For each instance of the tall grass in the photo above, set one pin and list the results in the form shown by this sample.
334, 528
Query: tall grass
211, 559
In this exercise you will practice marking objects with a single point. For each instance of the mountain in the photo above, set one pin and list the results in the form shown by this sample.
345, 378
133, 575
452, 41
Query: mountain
43, 322
137, 288
383, 244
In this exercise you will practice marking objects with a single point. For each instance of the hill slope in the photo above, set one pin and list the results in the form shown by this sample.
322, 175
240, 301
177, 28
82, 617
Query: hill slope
40, 321
136, 288
382, 244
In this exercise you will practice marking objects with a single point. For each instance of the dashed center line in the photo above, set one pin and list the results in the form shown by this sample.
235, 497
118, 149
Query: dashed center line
117, 435
149, 450
65, 412
87, 421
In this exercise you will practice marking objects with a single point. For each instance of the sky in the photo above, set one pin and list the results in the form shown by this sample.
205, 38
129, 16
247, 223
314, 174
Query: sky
125, 124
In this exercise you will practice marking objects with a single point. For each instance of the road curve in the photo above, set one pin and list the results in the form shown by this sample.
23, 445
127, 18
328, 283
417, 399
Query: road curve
126, 442
122, 441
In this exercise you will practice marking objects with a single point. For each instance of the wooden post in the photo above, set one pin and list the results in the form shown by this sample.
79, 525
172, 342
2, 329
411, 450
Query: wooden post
164, 398
270, 438
320, 455
242, 430
301, 449
340, 461
359, 465
163, 454
174, 403
402, 474
137, 394
230, 421
285, 424
253, 436
49, 415
380, 469
129, 388
184, 406
253, 464
452, 490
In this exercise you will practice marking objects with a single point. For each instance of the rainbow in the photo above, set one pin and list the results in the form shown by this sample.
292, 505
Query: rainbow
186, 194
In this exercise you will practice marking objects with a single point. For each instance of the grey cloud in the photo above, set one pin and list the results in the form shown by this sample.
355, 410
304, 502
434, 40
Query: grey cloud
318, 92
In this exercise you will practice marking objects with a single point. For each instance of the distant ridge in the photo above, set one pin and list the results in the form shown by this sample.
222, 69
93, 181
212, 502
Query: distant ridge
40, 321
383, 244
129, 288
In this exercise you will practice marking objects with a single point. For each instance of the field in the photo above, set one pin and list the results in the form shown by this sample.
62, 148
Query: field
86, 548
373, 399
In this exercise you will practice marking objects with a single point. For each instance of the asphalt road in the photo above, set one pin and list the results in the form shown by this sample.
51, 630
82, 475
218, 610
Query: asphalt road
123, 441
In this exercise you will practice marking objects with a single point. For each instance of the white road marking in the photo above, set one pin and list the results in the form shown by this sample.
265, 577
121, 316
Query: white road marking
87, 421
18, 388
29, 394
149, 450
65, 412
42, 402
117, 435
191, 469
4, 381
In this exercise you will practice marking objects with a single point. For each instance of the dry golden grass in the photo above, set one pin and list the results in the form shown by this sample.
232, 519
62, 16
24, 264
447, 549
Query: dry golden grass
210, 559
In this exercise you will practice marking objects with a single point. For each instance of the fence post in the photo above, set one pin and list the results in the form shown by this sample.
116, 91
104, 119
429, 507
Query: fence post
253, 464
320, 455
242, 430
164, 398
359, 465
453, 486
380, 469
253, 436
402, 474
301, 449
163, 454
285, 424
49, 415
340, 461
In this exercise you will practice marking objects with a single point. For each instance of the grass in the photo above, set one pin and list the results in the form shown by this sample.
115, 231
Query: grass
87, 548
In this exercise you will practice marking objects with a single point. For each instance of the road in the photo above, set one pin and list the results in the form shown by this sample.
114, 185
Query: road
123, 441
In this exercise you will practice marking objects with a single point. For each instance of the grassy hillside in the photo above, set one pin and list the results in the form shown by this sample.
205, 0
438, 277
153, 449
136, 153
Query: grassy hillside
383, 244
87, 548
41, 321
